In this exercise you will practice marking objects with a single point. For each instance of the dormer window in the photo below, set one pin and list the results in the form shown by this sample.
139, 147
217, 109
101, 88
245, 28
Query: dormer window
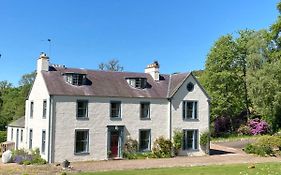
139, 83
76, 79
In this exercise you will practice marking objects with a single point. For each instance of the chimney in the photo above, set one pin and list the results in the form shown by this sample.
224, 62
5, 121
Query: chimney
153, 70
43, 62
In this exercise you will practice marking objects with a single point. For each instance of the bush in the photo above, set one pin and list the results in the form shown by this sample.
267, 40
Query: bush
244, 130
177, 140
205, 138
222, 125
162, 147
258, 126
265, 145
22, 156
3, 136
261, 150
130, 149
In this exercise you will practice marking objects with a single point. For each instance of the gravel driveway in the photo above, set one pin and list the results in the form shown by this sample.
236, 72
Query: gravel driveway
221, 154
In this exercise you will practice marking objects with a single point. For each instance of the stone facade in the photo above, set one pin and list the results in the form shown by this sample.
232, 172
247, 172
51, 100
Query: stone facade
61, 122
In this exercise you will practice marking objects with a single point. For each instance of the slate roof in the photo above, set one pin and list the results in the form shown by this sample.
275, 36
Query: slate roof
111, 84
20, 123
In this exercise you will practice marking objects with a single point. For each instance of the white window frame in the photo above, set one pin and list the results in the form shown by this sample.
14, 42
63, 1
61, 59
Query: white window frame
86, 108
87, 141
149, 140
194, 110
195, 139
31, 109
141, 110
43, 142
119, 116
44, 109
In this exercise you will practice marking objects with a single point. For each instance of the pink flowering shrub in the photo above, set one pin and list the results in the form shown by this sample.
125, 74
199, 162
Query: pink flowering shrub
258, 126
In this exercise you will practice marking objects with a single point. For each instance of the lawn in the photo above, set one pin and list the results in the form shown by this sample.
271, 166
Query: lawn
230, 138
238, 169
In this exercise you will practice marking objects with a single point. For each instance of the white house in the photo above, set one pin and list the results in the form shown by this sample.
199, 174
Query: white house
80, 114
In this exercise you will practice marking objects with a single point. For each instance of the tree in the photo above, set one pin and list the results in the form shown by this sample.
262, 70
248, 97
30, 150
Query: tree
27, 79
222, 78
111, 65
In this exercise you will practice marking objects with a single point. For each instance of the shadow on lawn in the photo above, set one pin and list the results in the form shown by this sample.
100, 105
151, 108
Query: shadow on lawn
219, 152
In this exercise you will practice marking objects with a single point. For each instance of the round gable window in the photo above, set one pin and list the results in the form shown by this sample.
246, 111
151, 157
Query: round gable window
190, 86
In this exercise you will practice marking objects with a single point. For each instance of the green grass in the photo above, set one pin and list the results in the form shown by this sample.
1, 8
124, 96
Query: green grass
237, 169
233, 138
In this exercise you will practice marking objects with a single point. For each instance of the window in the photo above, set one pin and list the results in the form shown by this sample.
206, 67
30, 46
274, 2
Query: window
81, 141
43, 141
189, 110
115, 109
82, 109
144, 140
12, 134
31, 109
44, 108
139, 83
190, 139
76, 79
190, 86
145, 110
30, 138
21, 135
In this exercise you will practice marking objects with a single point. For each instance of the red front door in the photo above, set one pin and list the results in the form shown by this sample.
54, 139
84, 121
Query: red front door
114, 143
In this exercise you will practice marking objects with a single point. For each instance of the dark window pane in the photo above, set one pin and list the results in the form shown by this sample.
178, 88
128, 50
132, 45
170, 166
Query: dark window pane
144, 140
190, 139
81, 145
115, 109
82, 109
43, 141
145, 111
44, 108
31, 109
189, 109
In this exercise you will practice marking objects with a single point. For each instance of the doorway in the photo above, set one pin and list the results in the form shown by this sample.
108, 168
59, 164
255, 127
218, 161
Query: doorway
115, 141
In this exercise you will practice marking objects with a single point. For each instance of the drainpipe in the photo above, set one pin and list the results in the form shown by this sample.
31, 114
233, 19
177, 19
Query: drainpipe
50, 129
170, 118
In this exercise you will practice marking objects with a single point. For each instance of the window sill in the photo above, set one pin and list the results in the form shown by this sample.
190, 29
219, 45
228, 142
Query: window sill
115, 118
145, 151
191, 120
191, 150
82, 118
145, 118
81, 154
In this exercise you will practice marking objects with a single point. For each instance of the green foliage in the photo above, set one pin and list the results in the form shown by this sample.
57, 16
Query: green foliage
265, 146
130, 149
222, 78
3, 136
259, 150
12, 99
177, 140
244, 130
22, 156
205, 138
162, 148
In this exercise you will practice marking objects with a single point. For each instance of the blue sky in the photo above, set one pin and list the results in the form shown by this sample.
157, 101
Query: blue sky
83, 33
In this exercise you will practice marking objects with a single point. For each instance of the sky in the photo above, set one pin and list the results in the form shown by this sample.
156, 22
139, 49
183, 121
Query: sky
84, 33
